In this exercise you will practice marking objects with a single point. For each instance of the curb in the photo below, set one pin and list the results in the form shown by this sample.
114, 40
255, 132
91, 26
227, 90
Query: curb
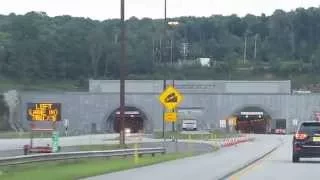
250, 163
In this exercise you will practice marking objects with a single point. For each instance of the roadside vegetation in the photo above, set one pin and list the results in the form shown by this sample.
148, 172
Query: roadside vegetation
39, 52
75, 169
102, 147
157, 135
39, 85
194, 135
22, 135
4, 114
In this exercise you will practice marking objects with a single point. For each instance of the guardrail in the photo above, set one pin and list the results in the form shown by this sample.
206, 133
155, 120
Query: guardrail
77, 155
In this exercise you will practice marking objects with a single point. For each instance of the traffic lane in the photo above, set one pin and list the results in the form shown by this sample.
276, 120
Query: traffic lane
278, 165
205, 167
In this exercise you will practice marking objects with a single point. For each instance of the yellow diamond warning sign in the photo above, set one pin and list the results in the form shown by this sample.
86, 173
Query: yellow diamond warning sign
171, 97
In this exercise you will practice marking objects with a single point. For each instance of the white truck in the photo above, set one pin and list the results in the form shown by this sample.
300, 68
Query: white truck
189, 124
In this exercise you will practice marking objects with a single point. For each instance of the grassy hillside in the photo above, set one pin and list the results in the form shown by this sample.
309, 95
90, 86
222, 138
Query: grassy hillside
6, 85
297, 80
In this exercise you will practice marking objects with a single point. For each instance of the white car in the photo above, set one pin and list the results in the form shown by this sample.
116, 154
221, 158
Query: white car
189, 125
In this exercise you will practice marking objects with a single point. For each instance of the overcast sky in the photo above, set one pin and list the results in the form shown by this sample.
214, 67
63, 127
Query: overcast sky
106, 9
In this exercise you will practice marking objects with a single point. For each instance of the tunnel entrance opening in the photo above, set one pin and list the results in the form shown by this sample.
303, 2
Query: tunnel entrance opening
252, 120
134, 120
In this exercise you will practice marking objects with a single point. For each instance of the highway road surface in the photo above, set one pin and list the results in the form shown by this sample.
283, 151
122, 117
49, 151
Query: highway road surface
278, 165
209, 166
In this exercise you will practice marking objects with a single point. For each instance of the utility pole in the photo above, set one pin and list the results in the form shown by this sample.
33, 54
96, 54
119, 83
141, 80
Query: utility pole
245, 50
185, 47
160, 43
164, 81
153, 51
122, 74
171, 47
255, 46
184, 51
174, 110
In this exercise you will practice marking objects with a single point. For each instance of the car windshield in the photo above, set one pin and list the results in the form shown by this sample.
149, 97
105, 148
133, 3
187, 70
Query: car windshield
310, 128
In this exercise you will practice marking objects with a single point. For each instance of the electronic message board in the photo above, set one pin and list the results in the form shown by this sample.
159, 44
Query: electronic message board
44, 111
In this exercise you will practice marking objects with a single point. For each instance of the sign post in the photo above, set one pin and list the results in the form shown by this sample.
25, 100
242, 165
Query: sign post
66, 125
170, 98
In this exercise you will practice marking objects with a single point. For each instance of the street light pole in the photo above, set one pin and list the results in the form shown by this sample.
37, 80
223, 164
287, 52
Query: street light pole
122, 74
165, 11
164, 81
173, 83
245, 49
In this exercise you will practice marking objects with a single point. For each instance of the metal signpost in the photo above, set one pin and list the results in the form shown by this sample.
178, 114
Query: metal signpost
66, 125
122, 73
170, 98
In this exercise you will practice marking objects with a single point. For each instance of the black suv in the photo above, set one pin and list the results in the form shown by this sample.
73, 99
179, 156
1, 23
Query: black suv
306, 141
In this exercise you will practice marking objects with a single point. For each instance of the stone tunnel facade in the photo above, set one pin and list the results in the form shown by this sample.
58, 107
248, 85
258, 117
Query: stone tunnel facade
83, 109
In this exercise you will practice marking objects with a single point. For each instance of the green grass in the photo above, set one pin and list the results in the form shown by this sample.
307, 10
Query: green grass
101, 147
203, 136
23, 135
75, 169
38, 85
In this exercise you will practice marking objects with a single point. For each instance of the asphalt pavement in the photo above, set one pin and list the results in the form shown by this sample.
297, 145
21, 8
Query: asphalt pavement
209, 166
278, 165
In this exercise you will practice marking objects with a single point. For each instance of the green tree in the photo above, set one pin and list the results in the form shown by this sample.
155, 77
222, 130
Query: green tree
35, 46
4, 114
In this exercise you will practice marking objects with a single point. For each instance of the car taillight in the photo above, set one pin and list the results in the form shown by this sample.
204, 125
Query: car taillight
301, 136
296, 148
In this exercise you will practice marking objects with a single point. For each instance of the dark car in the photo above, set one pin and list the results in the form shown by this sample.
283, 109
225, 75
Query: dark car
306, 141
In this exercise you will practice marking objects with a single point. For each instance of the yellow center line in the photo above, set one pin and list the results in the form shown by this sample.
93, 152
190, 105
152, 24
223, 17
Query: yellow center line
248, 169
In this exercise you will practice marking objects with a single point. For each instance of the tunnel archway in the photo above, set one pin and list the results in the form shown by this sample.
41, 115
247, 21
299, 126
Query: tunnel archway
252, 119
134, 120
